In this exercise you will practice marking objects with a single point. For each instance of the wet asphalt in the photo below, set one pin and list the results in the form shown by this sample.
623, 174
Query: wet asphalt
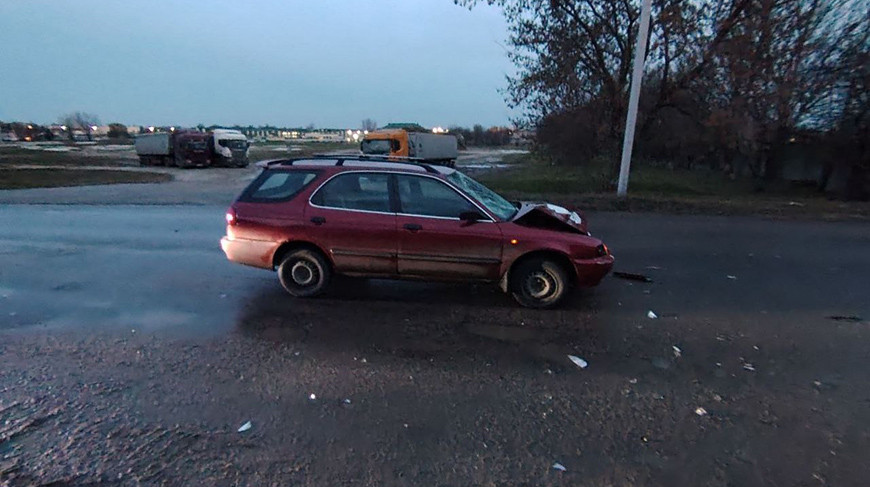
161, 268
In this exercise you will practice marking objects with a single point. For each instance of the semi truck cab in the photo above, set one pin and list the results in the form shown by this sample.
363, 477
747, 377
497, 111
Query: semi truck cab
230, 147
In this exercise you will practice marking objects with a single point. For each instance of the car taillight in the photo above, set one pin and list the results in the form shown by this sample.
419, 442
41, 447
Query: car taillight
602, 250
231, 217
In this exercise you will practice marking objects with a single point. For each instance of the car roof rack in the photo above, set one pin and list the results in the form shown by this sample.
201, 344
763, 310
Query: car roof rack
341, 158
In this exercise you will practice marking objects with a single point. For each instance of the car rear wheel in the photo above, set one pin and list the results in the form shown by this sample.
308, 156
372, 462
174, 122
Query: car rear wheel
539, 283
304, 273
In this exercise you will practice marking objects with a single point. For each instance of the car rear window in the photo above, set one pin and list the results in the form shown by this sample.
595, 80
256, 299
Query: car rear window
274, 186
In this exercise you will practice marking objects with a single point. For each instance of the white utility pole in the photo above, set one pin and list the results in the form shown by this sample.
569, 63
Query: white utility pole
636, 78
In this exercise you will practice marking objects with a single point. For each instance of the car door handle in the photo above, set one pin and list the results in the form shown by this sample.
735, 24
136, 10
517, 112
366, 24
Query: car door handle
412, 227
318, 220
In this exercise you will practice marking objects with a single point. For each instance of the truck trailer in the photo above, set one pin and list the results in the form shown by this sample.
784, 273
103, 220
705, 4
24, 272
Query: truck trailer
182, 148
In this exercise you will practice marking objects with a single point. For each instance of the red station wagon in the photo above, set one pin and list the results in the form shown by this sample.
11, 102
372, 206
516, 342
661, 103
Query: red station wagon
362, 216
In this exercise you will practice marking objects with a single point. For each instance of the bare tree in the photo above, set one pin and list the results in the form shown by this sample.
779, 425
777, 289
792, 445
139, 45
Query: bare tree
80, 120
574, 59
775, 72
369, 124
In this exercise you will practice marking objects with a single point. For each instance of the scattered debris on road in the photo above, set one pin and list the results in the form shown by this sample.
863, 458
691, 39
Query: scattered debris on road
558, 466
579, 362
632, 277
651, 315
851, 318
732, 277
701, 411
654, 268
245, 427
677, 352
749, 367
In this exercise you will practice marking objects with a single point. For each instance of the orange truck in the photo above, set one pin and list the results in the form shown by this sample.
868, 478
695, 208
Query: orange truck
411, 141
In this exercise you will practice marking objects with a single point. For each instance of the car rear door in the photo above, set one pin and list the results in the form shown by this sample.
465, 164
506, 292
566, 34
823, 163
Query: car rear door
434, 242
350, 217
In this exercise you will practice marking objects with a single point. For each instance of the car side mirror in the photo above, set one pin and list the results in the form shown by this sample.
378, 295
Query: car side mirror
471, 216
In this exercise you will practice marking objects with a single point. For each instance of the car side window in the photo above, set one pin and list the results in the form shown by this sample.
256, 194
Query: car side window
355, 191
277, 186
430, 197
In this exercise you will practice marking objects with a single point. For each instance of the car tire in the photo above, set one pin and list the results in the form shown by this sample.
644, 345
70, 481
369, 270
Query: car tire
304, 273
539, 283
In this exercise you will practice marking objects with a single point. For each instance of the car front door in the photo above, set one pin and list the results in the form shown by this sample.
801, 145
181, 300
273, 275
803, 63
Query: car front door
350, 217
434, 242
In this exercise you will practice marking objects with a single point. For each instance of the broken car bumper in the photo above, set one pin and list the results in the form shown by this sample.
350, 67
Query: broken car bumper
591, 271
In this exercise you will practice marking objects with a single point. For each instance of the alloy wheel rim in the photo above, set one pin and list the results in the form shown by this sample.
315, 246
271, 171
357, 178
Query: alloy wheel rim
540, 285
303, 273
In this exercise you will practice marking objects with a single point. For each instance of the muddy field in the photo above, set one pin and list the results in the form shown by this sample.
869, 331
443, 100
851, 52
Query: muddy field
134, 355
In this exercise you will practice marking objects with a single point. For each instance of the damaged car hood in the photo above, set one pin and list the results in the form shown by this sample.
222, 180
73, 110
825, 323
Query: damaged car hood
547, 215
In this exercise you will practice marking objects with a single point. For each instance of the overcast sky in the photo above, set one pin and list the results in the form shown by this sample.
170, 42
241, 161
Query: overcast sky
279, 62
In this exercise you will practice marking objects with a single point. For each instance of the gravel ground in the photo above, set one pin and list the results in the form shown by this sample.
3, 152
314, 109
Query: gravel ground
364, 400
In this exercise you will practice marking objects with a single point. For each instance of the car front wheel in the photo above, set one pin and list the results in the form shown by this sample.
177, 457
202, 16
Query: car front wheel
539, 283
304, 273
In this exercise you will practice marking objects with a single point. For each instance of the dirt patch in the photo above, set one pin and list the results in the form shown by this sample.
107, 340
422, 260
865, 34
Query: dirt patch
54, 178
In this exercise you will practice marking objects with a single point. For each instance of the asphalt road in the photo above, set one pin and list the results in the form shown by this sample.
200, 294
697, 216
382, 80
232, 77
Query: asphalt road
126, 334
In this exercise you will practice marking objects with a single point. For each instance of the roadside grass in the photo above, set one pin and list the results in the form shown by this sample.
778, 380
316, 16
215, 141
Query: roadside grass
662, 189
54, 178
10, 156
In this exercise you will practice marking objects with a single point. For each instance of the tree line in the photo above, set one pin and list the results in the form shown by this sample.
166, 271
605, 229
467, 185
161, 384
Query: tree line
477, 136
728, 84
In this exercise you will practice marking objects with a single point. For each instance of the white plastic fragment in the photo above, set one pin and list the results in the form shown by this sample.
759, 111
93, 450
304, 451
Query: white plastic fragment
558, 466
579, 362
245, 427
312, 396
701, 411
347, 401
733, 278
651, 315
677, 352
749, 367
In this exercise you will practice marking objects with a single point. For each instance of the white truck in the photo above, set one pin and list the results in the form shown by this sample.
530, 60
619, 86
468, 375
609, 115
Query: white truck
230, 148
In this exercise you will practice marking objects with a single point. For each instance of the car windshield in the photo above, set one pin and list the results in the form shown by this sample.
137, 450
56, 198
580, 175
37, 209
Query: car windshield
375, 146
234, 143
493, 202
